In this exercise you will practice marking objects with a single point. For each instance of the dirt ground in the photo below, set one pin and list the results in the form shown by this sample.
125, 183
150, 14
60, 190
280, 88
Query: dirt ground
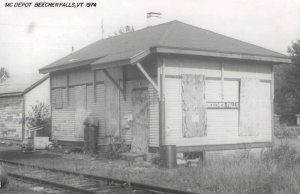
132, 171
19, 187
136, 171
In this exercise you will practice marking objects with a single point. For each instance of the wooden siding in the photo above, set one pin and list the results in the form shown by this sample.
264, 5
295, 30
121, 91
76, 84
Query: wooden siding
80, 77
105, 107
112, 104
249, 97
126, 109
80, 110
63, 120
154, 117
76, 77
222, 124
97, 109
108, 95
11, 117
212, 68
58, 80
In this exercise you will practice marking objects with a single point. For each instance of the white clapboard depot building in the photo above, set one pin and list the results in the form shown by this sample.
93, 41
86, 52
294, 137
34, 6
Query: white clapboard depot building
170, 84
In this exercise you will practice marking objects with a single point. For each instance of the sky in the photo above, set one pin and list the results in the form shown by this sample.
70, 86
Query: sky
33, 37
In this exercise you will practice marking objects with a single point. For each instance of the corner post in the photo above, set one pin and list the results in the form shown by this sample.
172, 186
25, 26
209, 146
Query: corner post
162, 113
162, 106
272, 102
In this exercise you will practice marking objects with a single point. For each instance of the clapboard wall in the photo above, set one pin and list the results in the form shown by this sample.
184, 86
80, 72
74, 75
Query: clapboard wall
108, 103
222, 124
11, 117
67, 120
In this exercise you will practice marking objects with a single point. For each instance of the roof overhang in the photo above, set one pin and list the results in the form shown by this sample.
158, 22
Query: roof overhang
129, 61
35, 84
96, 63
240, 56
22, 92
69, 65
11, 94
165, 50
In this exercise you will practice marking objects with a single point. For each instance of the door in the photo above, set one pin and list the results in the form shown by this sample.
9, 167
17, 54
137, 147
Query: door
80, 110
140, 120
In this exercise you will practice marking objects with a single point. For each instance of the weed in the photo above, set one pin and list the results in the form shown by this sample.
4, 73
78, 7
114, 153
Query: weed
283, 155
118, 146
282, 131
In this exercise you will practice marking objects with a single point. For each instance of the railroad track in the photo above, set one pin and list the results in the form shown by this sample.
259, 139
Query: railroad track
80, 182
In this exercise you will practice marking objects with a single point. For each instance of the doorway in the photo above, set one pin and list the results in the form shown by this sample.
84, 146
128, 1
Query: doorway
140, 120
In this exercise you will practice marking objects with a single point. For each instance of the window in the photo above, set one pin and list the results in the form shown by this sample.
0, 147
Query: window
58, 98
193, 106
250, 104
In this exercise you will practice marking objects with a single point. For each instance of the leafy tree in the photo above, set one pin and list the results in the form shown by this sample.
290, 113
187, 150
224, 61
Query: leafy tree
3, 74
287, 86
123, 30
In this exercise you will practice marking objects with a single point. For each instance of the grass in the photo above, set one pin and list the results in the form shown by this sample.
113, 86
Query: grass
245, 175
276, 171
282, 131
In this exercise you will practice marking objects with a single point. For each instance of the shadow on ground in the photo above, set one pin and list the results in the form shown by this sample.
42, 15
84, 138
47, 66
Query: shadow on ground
18, 155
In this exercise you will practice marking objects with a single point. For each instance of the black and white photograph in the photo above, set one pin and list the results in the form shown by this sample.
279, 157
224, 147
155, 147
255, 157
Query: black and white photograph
150, 97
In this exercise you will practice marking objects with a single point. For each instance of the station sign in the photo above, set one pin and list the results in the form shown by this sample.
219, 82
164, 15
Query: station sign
222, 105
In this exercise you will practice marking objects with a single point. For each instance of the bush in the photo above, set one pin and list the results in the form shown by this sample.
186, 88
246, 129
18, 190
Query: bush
118, 146
39, 116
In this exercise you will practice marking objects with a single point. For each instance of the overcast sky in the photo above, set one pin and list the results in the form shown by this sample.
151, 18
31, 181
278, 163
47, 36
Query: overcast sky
32, 37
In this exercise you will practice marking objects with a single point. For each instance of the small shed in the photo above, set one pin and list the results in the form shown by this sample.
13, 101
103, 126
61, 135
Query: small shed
170, 84
17, 95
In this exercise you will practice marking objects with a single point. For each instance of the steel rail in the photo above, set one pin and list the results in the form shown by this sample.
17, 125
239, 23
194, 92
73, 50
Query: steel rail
50, 183
102, 178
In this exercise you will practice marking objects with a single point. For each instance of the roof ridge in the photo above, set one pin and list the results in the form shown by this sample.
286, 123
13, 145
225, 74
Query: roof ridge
142, 29
244, 42
118, 36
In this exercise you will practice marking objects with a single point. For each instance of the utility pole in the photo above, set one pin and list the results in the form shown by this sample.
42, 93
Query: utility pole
102, 30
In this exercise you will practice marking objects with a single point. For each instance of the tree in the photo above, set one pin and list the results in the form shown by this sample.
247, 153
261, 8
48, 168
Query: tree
122, 30
287, 86
3, 74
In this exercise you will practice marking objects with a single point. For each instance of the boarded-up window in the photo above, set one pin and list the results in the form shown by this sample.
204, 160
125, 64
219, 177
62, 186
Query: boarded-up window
249, 104
58, 98
193, 106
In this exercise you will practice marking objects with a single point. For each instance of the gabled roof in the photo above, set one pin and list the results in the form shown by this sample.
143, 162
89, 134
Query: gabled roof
21, 84
171, 37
